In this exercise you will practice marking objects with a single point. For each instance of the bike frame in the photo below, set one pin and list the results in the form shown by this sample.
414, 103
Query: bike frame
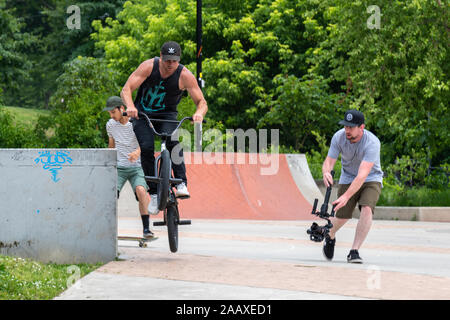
164, 136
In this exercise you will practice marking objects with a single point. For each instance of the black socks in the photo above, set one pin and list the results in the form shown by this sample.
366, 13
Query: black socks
145, 221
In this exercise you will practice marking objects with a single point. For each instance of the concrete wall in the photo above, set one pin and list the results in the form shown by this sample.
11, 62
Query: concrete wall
58, 205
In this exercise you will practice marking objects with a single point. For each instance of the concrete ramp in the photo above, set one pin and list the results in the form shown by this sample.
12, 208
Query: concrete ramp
243, 186
303, 178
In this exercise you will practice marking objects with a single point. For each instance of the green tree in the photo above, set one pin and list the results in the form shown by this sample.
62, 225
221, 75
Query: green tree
246, 45
298, 65
53, 43
14, 65
76, 118
397, 73
301, 108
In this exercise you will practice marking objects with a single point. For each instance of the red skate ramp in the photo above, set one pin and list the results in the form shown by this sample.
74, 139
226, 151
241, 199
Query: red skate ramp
228, 189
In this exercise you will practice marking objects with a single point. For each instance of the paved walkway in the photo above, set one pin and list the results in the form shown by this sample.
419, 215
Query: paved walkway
244, 259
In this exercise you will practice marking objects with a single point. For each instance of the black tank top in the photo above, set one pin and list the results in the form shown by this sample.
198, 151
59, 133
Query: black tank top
158, 95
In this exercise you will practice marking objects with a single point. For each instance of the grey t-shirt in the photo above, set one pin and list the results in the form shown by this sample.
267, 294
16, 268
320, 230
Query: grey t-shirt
366, 149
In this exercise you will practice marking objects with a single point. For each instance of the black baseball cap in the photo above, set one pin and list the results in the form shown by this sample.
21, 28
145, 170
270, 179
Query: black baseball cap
352, 118
171, 50
113, 102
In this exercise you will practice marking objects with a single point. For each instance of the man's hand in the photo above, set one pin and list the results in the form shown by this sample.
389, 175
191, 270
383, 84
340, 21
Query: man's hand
132, 112
197, 117
327, 179
340, 202
327, 166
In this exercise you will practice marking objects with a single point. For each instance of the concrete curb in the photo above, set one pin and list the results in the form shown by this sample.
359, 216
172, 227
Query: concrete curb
429, 214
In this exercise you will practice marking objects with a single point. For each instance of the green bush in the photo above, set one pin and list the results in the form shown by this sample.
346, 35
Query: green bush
316, 158
400, 187
439, 177
14, 135
80, 125
393, 195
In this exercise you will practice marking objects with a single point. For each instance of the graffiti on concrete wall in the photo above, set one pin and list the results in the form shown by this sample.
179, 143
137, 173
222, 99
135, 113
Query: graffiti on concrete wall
53, 161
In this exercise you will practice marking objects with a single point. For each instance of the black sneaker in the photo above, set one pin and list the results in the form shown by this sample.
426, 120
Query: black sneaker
353, 257
328, 247
148, 233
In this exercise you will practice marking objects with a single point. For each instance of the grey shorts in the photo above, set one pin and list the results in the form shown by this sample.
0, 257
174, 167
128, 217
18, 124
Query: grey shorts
367, 195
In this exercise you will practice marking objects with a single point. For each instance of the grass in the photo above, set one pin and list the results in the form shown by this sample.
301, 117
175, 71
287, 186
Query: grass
25, 279
26, 116
414, 197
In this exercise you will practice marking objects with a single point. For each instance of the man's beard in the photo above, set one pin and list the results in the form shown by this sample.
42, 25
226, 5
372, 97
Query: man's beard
351, 138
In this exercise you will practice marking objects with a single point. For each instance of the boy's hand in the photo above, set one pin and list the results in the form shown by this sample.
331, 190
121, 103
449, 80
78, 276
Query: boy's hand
133, 156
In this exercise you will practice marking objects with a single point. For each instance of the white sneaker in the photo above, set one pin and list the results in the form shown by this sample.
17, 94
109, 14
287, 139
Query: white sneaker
182, 190
153, 205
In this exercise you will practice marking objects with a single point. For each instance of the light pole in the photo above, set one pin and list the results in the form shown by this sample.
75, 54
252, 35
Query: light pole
199, 44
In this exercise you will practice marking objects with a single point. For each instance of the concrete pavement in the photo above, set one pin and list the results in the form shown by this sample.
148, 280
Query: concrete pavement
248, 259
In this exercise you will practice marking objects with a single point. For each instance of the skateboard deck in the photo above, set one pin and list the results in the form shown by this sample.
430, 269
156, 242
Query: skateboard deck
142, 241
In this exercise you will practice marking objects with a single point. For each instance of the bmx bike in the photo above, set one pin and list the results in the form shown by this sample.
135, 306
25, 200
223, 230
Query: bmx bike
167, 200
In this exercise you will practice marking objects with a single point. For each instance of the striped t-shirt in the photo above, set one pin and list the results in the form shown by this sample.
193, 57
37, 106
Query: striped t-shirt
125, 140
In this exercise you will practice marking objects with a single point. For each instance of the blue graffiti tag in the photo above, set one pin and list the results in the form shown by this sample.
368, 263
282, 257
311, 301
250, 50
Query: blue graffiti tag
53, 162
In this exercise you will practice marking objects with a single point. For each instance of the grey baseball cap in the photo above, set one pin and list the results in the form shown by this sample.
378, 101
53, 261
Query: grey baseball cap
113, 102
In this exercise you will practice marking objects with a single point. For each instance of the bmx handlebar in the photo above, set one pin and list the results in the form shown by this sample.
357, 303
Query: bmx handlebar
163, 120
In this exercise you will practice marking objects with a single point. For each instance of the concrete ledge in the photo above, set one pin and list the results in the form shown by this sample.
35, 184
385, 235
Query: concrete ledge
434, 214
394, 213
429, 214
59, 205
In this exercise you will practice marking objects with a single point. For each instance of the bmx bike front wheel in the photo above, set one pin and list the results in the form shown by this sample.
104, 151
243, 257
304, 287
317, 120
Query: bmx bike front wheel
164, 175
172, 228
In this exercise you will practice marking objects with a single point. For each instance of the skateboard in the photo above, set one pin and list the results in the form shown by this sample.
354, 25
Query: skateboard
142, 241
